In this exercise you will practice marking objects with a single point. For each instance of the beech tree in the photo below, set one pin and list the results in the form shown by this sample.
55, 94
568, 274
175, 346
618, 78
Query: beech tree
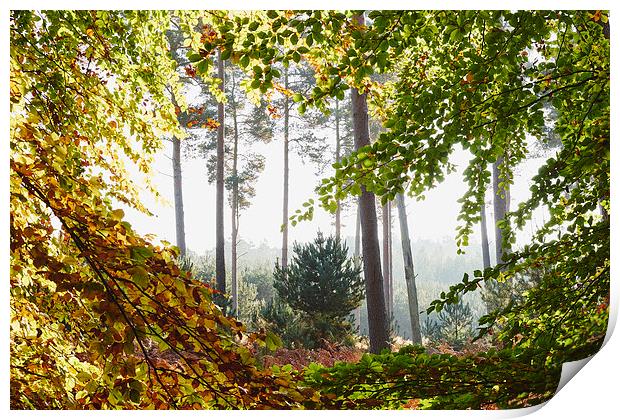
501, 206
89, 312
466, 79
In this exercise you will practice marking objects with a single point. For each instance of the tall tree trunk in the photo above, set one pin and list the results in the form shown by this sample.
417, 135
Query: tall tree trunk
412, 291
285, 177
177, 176
179, 214
178, 195
486, 254
356, 253
220, 268
486, 257
358, 227
234, 205
391, 263
385, 218
233, 261
377, 320
501, 205
337, 160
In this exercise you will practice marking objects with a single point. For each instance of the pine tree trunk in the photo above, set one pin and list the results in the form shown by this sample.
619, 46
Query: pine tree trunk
390, 262
178, 195
177, 177
358, 227
377, 320
337, 160
412, 291
234, 207
486, 257
385, 218
501, 205
233, 263
220, 268
285, 177
356, 253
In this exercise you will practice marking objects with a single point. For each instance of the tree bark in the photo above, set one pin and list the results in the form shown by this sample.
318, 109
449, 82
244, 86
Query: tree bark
412, 291
377, 320
486, 257
358, 227
385, 218
501, 205
356, 253
178, 196
338, 210
234, 206
391, 263
285, 177
220, 268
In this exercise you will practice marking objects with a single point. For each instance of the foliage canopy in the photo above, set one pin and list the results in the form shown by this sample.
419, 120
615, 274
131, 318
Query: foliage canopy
92, 301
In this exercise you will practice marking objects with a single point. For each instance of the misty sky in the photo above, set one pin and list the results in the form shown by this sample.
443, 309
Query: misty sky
433, 218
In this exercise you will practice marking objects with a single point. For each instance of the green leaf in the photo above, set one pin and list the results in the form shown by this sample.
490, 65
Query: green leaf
134, 396
226, 54
194, 57
203, 66
272, 341
139, 254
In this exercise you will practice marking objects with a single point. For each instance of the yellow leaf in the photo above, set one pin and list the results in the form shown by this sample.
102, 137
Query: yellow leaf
118, 214
69, 260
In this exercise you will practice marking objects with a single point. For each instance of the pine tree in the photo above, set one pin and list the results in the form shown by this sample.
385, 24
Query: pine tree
306, 143
186, 119
455, 323
322, 283
220, 265
250, 124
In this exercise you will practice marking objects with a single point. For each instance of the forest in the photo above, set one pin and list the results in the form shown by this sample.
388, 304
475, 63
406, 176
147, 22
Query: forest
384, 108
